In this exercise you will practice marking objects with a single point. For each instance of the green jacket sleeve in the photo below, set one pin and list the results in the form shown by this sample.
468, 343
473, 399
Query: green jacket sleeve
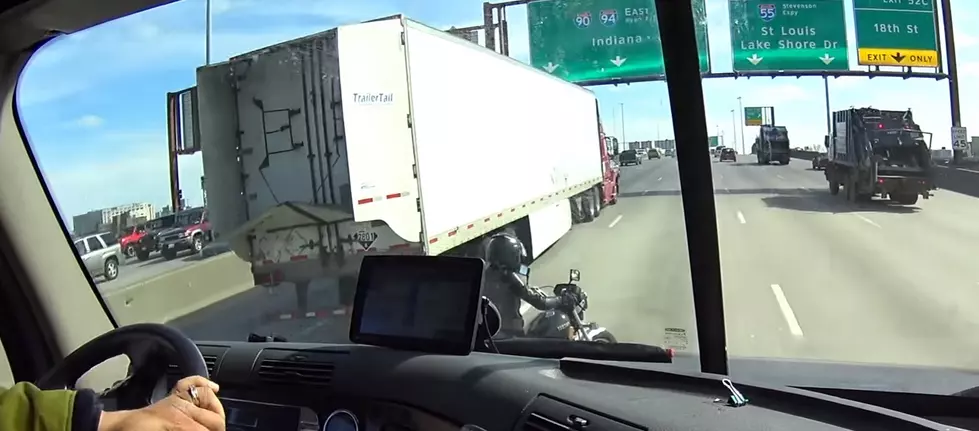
24, 407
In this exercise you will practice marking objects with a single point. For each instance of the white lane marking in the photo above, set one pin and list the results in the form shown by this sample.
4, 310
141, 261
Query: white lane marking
660, 179
871, 222
524, 307
741, 218
780, 177
787, 313
615, 222
968, 170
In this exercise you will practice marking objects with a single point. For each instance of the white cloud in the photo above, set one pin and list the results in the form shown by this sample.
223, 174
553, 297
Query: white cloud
88, 121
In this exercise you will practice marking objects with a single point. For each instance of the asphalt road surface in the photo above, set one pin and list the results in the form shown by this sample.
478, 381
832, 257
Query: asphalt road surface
134, 271
806, 275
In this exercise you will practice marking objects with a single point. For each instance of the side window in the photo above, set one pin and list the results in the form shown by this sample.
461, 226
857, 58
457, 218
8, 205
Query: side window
93, 243
80, 248
109, 239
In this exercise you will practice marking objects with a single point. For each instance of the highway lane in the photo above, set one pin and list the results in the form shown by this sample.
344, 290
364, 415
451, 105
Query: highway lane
134, 271
806, 275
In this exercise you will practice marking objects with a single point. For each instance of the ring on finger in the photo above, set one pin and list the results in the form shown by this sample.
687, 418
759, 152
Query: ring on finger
192, 391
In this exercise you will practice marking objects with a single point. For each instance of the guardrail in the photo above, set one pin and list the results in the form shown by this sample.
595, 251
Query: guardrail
180, 292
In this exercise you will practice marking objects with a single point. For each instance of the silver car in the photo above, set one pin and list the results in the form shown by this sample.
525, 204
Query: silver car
101, 254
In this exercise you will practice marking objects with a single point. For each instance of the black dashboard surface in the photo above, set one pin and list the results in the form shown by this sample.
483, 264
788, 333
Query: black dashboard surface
397, 390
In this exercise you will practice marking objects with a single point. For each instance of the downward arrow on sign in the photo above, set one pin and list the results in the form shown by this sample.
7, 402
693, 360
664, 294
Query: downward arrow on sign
898, 57
617, 61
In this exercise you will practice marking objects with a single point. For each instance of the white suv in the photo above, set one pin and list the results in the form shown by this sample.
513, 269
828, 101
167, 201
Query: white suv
101, 254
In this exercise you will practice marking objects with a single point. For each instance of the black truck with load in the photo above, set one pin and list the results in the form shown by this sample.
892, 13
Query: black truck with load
772, 145
872, 152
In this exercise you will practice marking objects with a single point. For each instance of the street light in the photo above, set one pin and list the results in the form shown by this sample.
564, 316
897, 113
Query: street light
741, 108
734, 124
207, 32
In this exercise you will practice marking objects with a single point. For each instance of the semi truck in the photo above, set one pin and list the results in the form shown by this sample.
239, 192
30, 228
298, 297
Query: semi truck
391, 137
772, 145
873, 152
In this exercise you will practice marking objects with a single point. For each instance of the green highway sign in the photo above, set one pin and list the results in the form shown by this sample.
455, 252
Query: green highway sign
752, 116
714, 141
583, 40
896, 33
788, 35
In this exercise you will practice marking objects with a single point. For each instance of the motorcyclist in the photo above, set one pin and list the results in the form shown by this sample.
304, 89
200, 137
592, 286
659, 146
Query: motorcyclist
506, 283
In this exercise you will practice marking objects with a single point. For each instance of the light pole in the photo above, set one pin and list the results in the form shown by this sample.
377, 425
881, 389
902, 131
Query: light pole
622, 108
734, 127
207, 32
741, 114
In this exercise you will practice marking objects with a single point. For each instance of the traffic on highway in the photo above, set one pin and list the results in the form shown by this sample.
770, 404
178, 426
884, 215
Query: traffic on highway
297, 149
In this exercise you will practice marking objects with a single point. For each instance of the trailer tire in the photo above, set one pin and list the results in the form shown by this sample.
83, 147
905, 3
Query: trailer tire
596, 203
576, 209
834, 187
850, 189
905, 199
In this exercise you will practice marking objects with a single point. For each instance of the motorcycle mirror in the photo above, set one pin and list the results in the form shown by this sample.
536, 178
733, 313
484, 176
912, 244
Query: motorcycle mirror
575, 275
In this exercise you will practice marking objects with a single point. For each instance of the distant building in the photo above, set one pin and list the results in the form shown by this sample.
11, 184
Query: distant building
111, 219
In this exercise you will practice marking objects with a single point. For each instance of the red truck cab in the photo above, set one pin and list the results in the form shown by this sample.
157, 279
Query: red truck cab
610, 171
129, 241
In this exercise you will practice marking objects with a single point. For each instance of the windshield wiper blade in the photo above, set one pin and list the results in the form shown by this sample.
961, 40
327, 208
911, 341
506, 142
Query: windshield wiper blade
271, 338
556, 348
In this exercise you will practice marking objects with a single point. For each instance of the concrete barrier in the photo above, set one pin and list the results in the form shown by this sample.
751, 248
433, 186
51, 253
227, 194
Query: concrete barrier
180, 292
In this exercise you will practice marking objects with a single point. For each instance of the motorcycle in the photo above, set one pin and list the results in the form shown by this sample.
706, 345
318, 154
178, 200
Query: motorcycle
570, 322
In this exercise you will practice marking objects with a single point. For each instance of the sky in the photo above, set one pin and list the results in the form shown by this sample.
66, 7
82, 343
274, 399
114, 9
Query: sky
93, 103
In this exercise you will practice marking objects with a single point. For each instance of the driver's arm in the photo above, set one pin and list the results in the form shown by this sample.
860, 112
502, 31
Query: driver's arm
24, 407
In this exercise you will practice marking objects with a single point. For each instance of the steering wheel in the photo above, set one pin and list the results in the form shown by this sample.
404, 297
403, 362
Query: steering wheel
150, 347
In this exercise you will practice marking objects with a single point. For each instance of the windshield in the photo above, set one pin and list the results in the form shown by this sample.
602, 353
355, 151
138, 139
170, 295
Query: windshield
777, 133
294, 139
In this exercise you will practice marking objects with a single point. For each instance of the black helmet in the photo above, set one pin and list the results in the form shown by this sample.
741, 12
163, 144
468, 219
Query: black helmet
506, 252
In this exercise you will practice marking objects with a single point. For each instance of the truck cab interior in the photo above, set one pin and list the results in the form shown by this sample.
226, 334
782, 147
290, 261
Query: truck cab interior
56, 330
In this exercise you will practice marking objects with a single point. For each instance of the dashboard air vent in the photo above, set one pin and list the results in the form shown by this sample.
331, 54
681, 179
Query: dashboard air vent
210, 360
294, 372
537, 422
547, 413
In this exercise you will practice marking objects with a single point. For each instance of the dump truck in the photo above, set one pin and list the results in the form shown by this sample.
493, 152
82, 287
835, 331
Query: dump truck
772, 145
391, 137
873, 152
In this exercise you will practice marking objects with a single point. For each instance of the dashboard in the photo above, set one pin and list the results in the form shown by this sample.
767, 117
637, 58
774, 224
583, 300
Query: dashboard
285, 386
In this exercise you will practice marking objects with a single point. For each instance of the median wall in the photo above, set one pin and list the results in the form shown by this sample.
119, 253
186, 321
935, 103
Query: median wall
180, 292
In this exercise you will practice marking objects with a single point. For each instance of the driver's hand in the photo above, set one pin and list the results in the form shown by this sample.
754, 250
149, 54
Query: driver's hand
177, 412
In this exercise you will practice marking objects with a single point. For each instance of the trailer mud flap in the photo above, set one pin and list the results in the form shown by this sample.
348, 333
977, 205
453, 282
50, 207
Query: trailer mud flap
284, 216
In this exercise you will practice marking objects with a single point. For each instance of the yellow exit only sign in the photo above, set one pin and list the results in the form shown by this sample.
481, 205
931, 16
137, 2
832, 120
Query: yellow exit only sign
897, 57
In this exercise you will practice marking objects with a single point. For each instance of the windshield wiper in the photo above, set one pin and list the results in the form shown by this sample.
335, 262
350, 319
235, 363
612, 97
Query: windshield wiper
271, 338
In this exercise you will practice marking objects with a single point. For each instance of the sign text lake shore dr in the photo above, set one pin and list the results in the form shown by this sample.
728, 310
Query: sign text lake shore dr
788, 35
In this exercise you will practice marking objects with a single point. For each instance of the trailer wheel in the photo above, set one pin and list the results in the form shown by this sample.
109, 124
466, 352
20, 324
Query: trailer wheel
834, 187
596, 203
576, 209
905, 199
850, 188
